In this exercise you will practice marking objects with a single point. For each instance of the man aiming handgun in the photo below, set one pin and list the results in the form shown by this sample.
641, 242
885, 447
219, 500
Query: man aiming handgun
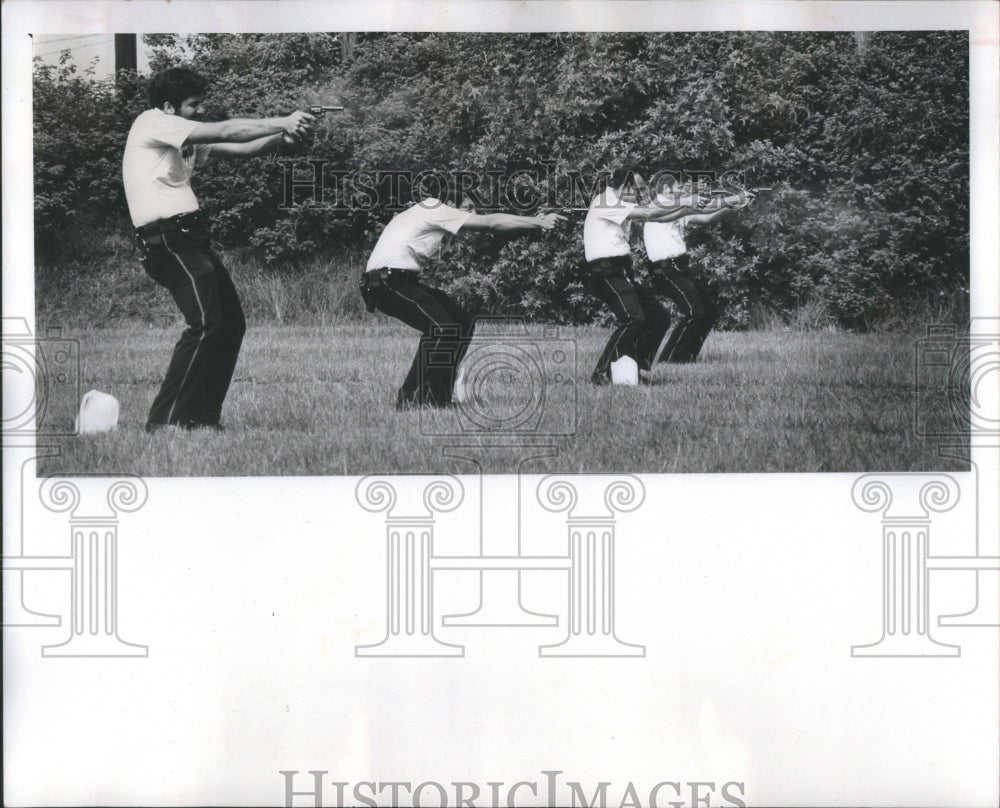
670, 269
641, 320
164, 145
393, 284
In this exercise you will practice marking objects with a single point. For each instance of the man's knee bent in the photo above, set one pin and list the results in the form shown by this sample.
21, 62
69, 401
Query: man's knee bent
633, 319
708, 317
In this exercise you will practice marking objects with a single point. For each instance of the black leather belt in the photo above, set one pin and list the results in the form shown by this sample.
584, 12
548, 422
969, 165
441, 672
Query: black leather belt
606, 267
675, 262
182, 221
388, 276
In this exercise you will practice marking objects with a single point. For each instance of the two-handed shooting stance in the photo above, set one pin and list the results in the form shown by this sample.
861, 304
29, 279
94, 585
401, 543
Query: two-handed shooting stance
164, 145
392, 284
670, 270
642, 320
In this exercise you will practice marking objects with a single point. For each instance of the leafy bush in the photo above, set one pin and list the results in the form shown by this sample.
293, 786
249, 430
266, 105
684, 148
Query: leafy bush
865, 139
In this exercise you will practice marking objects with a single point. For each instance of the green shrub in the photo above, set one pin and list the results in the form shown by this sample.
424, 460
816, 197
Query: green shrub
866, 144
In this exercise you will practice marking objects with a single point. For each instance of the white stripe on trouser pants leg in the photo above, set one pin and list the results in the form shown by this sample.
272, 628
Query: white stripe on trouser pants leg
414, 302
201, 309
624, 308
682, 295
688, 323
420, 380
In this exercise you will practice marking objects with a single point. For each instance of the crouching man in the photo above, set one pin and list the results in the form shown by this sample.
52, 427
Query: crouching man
641, 320
666, 248
392, 283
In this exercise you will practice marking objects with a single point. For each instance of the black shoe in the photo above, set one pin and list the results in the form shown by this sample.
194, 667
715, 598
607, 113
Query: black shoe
156, 426
195, 426
600, 379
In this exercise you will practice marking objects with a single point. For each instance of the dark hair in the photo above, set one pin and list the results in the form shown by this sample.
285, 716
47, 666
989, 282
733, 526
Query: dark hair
440, 185
620, 173
174, 85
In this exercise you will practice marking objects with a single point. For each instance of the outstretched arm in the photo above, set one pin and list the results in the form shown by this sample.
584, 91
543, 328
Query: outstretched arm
728, 205
244, 130
656, 213
253, 148
511, 223
708, 218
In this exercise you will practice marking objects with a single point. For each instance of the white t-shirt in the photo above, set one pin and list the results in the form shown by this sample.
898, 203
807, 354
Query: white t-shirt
666, 239
157, 167
606, 228
417, 236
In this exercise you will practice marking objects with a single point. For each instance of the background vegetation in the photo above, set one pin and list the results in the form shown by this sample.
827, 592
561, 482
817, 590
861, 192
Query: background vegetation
864, 137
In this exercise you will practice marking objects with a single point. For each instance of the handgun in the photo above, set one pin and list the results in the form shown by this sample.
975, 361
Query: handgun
724, 192
322, 110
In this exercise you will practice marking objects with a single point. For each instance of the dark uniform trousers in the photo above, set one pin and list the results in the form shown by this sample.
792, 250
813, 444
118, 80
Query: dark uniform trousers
698, 312
446, 331
177, 254
642, 321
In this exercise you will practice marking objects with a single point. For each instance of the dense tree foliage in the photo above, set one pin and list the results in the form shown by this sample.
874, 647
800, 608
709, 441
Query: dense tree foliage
864, 138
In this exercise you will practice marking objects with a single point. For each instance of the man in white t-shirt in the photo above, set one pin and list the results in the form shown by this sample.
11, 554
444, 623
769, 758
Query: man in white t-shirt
164, 145
667, 252
392, 284
642, 321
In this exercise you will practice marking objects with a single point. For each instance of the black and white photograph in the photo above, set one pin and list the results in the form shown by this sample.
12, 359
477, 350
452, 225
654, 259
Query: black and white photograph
663, 252
487, 403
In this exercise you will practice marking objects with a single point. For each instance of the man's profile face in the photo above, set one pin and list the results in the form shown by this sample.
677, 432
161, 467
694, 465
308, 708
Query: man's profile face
634, 188
674, 191
191, 108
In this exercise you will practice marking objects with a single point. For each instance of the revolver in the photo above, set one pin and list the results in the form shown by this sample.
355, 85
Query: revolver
322, 110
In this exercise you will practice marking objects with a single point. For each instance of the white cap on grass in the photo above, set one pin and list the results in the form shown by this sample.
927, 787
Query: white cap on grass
625, 371
98, 412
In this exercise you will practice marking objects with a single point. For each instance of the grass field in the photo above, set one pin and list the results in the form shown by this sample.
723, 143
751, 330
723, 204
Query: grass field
319, 401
